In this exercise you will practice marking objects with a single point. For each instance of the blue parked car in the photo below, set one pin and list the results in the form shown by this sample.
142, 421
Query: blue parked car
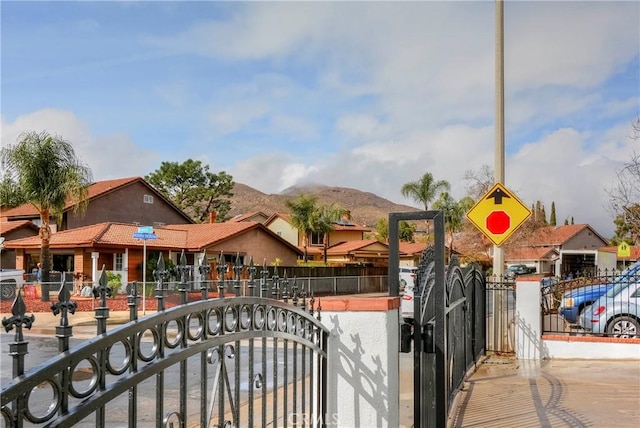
574, 301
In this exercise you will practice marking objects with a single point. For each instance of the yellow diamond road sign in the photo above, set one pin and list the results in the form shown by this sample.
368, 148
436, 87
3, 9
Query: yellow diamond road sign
498, 214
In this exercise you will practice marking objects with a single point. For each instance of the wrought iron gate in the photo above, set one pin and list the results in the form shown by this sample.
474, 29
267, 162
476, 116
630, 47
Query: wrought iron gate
448, 330
227, 361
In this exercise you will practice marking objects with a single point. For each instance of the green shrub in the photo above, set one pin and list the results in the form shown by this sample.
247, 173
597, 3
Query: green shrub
114, 280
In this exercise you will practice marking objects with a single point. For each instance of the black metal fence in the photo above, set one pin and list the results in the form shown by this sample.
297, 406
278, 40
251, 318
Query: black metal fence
228, 361
602, 303
500, 315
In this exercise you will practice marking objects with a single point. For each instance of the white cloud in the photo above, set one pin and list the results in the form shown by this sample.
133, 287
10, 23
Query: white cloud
109, 156
431, 64
561, 168
270, 172
362, 127
404, 88
576, 44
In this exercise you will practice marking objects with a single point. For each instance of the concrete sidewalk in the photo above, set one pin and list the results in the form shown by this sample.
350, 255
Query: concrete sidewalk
505, 392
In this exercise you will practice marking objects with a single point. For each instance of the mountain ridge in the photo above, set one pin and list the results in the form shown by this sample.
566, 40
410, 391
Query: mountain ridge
365, 208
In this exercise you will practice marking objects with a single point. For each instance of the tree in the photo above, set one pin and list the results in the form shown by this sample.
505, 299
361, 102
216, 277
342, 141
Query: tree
425, 190
624, 198
382, 229
303, 211
552, 216
406, 231
479, 182
49, 175
324, 219
539, 215
10, 192
454, 213
623, 230
194, 189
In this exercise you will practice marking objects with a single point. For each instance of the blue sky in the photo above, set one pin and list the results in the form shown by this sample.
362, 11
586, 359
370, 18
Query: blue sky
368, 95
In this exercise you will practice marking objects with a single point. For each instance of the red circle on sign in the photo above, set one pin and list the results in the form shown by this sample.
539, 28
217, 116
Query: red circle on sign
498, 222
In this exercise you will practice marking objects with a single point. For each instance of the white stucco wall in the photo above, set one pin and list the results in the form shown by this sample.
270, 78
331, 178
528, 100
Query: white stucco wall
362, 368
528, 320
590, 350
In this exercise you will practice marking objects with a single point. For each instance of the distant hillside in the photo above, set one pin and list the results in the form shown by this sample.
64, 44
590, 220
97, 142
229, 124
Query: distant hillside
366, 208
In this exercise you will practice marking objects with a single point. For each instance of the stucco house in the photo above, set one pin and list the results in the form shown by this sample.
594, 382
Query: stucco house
258, 216
343, 231
559, 250
85, 250
124, 200
368, 252
10, 230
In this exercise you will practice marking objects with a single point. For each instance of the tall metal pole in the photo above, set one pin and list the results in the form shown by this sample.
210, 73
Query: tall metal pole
498, 253
144, 277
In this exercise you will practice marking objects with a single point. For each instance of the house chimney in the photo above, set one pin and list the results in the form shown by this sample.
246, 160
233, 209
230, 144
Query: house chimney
212, 217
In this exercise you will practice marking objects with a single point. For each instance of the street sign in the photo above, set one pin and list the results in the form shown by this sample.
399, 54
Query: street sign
624, 250
144, 236
498, 214
145, 229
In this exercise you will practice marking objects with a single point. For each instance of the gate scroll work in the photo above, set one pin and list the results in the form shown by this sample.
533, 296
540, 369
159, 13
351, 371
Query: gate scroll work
215, 362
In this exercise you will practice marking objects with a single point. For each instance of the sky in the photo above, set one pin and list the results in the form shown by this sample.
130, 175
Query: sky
367, 95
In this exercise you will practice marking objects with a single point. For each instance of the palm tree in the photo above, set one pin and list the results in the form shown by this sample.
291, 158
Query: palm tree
325, 218
303, 211
49, 175
425, 190
454, 212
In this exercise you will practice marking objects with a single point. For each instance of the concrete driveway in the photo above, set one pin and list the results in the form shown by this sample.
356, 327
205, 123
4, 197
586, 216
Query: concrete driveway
505, 392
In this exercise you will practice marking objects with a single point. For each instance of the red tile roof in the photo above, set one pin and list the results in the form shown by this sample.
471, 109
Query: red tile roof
8, 226
205, 234
96, 189
191, 237
635, 252
412, 247
345, 247
285, 216
559, 235
243, 217
350, 227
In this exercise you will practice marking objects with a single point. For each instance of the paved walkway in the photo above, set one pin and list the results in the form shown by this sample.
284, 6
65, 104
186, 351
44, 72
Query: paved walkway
506, 392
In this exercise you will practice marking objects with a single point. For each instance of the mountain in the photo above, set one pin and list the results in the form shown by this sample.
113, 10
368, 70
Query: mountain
365, 207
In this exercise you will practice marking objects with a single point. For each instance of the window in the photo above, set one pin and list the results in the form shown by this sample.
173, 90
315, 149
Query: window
118, 261
147, 199
317, 238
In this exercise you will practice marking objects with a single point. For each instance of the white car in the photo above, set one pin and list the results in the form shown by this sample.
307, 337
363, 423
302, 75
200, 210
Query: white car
10, 280
407, 283
407, 276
